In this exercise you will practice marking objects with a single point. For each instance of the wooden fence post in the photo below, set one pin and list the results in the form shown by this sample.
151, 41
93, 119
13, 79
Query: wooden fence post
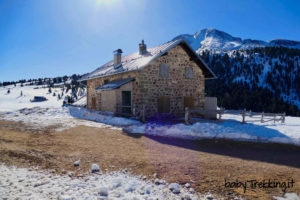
262, 117
244, 115
220, 113
134, 110
250, 113
186, 115
144, 113
283, 118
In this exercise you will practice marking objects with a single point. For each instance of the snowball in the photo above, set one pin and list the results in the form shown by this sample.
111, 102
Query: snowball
76, 163
209, 196
175, 188
95, 168
148, 190
157, 181
192, 190
116, 183
131, 188
103, 191
186, 197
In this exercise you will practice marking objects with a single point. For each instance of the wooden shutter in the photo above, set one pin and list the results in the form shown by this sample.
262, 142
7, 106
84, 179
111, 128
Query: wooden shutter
189, 72
93, 102
164, 70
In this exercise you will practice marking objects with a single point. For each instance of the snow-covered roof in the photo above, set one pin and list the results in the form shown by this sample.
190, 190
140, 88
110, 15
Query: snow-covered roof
114, 84
136, 61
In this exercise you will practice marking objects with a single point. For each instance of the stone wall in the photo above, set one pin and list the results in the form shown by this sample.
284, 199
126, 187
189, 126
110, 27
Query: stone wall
176, 86
94, 83
148, 84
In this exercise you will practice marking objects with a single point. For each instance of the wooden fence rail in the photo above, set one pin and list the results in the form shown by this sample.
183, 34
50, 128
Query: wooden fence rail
253, 116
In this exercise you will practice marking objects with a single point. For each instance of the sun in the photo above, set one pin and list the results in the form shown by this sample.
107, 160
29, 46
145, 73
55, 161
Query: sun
106, 2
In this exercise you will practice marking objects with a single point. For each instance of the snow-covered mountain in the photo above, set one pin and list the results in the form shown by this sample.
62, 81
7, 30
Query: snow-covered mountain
213, 39
253, 74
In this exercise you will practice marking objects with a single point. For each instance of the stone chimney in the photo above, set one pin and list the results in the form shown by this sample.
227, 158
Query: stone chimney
117, 57
142, 48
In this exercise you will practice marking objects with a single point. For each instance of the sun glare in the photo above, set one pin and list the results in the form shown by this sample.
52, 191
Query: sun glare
106, 2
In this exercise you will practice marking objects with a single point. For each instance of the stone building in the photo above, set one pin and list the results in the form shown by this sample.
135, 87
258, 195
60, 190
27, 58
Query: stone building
166, 78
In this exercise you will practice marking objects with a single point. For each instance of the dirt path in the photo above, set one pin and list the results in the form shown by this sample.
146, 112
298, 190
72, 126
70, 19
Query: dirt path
205, 164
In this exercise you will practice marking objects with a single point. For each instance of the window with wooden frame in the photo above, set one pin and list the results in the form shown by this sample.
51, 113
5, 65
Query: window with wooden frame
164, 70
189, 73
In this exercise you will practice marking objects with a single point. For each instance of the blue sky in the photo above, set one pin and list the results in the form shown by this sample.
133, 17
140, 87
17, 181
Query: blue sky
47, 38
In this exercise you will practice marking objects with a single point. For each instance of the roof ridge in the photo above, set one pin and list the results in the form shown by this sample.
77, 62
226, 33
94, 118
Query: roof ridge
135, 61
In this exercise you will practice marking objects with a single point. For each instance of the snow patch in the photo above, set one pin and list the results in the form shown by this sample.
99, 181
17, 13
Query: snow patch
18, 183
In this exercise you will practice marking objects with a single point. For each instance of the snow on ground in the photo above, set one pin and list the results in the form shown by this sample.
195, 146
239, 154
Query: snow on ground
14, 101
22, 183
288, 196
230, 128
50, 113
64, 118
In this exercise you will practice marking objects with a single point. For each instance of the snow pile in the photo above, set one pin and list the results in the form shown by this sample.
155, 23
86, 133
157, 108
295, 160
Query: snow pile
96, 116
21, 183
54, 118
288, 132
64, 118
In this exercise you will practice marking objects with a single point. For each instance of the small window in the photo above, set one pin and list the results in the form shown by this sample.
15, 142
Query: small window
106, 81
189, 72
164, 70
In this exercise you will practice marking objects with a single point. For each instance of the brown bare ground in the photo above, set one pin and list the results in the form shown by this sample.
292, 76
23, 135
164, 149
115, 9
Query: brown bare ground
205, 164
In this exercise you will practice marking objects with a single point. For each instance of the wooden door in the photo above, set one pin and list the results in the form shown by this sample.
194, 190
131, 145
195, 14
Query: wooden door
163, 104
126, 101
188, 102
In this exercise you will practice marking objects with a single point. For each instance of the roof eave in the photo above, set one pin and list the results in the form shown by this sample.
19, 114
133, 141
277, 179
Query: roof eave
105, 75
